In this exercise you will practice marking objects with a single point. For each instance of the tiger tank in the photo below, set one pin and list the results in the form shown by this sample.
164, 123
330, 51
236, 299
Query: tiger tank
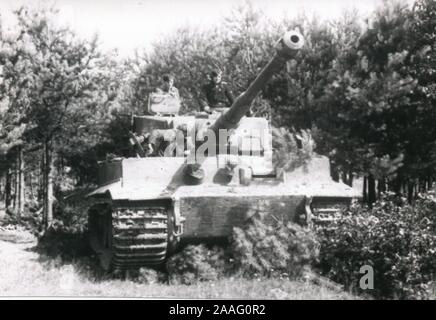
147, 207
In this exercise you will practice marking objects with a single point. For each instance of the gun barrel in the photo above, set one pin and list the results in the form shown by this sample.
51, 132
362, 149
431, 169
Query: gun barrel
286, 48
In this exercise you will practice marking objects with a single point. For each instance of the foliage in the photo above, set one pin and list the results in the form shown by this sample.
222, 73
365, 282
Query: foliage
29, 220
72, 87
67, 238
397, 239
15, 86
376, 112
67, 75
149, 276
240, 47
196, 263
291, 150
277, 250
63, 243
258, 250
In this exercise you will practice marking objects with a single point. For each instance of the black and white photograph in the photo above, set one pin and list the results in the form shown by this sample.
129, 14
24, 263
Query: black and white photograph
218, 150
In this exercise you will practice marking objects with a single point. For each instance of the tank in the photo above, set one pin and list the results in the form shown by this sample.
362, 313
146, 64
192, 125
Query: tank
146, 207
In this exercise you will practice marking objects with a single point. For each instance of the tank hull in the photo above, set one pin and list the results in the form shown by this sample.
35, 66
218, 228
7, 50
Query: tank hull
150, 211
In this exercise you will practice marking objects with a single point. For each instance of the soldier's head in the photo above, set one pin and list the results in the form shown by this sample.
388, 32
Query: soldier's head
183, 128
216, 76
168, 81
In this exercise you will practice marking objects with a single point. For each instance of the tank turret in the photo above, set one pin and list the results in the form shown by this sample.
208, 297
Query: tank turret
230, 119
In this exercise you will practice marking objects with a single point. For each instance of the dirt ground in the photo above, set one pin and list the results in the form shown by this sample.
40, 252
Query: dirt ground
24, 272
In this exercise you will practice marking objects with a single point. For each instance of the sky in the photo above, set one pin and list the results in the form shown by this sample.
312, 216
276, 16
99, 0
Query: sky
130, 24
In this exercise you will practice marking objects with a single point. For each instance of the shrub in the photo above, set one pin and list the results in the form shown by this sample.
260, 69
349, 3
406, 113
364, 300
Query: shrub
149, 276
59, 241
397, 239
278, 250
30, 219
257, 250
67, 237
71, 217
196, 263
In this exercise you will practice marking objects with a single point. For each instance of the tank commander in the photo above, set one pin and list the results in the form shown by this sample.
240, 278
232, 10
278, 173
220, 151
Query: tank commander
168, 86
216, 93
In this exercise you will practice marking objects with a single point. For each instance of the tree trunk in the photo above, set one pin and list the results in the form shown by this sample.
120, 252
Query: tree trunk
365, 189
381, 186
21, 188
41, 179
410, 189
350, 178
8, 188
334, 172
48, 187
16, 185
371, 190
344, 177
30, 177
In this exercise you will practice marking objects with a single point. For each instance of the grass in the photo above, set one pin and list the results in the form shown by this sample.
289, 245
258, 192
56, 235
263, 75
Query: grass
23, 272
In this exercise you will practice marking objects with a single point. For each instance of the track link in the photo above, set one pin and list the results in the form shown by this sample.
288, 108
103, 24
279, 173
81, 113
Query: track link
327, 210
130, 237
139, 237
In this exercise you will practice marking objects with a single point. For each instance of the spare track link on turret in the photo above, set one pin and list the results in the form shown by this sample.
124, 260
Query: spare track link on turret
325, 210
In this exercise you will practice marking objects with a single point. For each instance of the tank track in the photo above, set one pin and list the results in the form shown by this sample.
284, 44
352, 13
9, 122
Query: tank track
131, 237
140, 237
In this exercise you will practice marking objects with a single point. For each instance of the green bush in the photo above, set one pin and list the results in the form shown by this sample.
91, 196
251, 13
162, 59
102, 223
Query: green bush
397, 239
279, 250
